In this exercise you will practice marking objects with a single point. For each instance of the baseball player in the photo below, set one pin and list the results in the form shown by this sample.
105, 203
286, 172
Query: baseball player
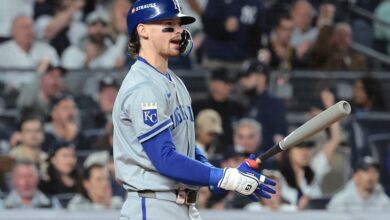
154, 138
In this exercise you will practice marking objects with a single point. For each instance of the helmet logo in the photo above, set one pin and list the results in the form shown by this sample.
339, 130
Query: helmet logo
132, 10
176, 4
142, 7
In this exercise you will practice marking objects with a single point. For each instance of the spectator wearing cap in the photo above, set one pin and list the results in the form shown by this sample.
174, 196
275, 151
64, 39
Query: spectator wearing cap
64, 27
96, 192
25, 193
64, 124
220, 85
23, 51
97, 112
303, 172
62, 173
96, 50
268, 110
362, 192
208, 126
36, 95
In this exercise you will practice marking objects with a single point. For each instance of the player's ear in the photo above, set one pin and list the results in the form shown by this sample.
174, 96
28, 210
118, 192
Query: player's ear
142, 31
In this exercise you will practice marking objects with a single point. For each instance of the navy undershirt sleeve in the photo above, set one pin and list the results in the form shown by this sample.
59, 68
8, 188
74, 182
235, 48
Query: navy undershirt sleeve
162, 152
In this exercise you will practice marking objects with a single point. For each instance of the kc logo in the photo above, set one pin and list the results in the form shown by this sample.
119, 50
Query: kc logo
149, 113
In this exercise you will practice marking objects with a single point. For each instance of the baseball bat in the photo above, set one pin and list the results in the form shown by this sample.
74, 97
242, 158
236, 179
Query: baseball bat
308, 129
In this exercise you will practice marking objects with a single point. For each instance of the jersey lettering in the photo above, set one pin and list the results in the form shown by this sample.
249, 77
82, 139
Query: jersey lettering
181, 114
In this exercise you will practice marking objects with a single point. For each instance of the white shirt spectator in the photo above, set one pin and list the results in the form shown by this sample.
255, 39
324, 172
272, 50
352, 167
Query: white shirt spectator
299, 37
321, 167
12, 56
9, 9
349, 200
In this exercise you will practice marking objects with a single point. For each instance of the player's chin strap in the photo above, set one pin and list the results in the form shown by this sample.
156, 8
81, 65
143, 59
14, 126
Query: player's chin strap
186, 43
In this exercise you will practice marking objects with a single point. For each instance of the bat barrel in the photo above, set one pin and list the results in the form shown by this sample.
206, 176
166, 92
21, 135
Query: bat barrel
316, 124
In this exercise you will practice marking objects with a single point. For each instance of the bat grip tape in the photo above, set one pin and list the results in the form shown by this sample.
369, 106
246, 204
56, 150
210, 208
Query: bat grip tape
270, 152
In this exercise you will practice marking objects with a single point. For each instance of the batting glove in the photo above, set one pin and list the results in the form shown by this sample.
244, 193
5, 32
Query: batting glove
264, 190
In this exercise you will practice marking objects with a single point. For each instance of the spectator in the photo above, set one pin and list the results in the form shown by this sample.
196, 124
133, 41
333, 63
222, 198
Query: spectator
367, 96
208, 126
304, 33
98, 113
97, 50
64, 122
363, 192
10, 10
25, 193
276, 203
233, 32
118, 25
62, 173
30, 139
105, 157
96, 192
23, 51
319, 54
268, 110
343, 56
381, 31
302, 173
280, 54
36, 95
221, 88
247, 136
64, 27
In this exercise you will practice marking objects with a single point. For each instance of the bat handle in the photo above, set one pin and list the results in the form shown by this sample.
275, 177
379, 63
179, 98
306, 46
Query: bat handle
269, 153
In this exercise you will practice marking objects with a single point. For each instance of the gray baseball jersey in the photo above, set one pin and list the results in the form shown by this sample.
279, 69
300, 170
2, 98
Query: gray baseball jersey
149, 102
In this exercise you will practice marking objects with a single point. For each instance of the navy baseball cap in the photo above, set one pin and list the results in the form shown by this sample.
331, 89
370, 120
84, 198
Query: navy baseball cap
254, 66
223, 74
108, 82
366, 162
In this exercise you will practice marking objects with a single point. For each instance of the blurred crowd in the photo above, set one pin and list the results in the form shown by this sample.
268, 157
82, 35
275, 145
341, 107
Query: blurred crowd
57, 153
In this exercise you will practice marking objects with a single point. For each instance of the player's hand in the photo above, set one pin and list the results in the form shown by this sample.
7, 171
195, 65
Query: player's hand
264, 188
234, 180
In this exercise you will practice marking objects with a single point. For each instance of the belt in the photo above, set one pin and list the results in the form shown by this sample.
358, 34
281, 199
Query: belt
181, 197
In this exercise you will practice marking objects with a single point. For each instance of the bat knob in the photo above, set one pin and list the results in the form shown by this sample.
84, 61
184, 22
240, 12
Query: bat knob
252, 164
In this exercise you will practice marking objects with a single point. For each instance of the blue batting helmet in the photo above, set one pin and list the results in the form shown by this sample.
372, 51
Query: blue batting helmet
143, 11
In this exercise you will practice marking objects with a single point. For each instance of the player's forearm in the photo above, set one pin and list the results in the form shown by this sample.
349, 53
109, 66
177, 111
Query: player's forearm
168, 162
